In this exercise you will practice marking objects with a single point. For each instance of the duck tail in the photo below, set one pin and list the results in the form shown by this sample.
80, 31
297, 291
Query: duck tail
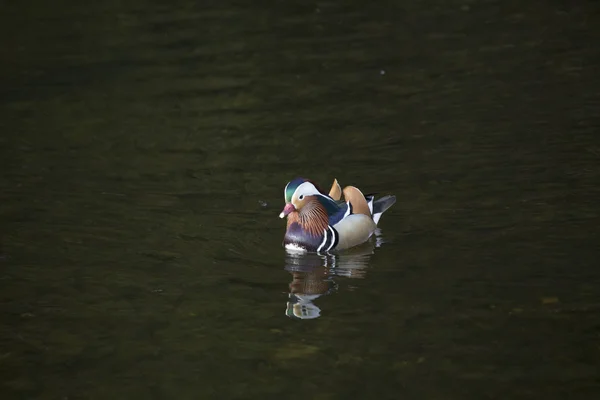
379, 206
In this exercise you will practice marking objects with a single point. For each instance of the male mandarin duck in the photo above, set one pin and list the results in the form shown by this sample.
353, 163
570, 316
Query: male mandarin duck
320, 222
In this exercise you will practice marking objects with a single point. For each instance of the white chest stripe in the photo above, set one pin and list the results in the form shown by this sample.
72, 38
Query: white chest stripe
332, 237
324, 240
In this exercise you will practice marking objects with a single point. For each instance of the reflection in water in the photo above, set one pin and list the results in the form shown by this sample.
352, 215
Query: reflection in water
313, 275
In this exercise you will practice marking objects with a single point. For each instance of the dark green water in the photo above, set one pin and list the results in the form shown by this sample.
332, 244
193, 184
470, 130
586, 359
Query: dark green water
144, 147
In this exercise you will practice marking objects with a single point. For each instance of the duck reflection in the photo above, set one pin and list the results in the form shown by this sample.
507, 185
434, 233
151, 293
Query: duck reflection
313, 276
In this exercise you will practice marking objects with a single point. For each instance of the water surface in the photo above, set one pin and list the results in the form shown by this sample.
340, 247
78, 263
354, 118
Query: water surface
144, 148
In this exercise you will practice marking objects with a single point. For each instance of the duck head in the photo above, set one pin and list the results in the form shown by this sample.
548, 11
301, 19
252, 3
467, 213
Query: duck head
297, 194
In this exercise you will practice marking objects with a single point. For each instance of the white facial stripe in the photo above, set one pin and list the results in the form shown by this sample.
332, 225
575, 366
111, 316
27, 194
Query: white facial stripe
306, 189
324, 196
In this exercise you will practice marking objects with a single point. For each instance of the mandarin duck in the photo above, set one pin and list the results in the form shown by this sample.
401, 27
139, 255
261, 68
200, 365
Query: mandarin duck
324, 222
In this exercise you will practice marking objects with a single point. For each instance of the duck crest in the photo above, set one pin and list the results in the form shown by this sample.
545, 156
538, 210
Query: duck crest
292, 185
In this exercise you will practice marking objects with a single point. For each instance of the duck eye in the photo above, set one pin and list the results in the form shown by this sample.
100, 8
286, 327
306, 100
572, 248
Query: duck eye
301, 197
